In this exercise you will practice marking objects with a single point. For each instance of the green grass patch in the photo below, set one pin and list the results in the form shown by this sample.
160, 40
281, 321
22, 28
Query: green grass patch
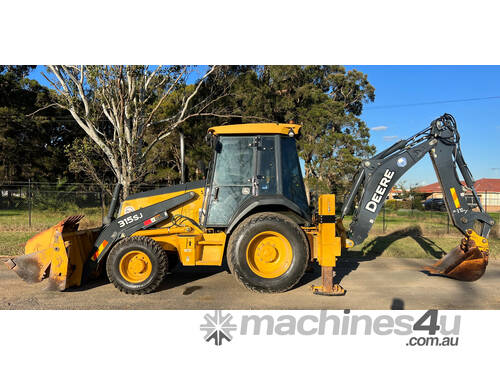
411, 243
18, 220
15, 229
12, 243
416, 234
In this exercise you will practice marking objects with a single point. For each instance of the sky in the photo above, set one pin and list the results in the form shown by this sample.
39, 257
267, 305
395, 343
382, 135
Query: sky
403, 106
478, 121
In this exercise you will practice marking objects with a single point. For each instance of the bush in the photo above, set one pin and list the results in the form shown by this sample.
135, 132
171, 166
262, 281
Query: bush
393, 204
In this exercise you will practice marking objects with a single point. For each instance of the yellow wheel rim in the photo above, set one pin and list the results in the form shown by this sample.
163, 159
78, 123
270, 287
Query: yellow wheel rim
269, 254
135, 266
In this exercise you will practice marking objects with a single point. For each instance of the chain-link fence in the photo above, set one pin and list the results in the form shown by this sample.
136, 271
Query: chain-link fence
27, 208
32, 205
431, 222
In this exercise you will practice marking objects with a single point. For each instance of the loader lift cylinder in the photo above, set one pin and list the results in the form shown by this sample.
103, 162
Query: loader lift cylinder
112, 207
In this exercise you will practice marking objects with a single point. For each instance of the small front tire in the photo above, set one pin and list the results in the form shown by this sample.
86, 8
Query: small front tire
137, 265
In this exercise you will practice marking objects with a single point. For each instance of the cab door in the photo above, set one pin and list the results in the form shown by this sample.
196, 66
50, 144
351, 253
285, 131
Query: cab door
233, 179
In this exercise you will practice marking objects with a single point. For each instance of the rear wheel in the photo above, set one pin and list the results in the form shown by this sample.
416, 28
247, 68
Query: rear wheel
268, 253
137, 265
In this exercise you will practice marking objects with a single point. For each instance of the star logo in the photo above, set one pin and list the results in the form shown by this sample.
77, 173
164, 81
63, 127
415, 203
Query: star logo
218, 327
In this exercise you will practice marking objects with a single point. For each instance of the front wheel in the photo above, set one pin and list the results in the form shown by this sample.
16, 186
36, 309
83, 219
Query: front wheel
137, 265
268, 253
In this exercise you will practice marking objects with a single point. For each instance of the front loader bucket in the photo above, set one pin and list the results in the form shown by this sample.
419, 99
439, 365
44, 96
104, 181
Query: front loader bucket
466, 262
58, 253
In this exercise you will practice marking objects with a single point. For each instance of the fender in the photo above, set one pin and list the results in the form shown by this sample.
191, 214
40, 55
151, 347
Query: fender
261, 201
126, 225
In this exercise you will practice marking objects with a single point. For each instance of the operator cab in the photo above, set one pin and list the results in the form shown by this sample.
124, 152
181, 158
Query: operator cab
253, 165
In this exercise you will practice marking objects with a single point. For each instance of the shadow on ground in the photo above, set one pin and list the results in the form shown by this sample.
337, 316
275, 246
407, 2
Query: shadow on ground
179, 276
350, 260
184, 275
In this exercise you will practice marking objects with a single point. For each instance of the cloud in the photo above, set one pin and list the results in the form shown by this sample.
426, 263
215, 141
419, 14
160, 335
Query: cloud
390, 138
378, 128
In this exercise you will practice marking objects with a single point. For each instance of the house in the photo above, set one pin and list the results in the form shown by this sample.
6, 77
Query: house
488, 190
395, 193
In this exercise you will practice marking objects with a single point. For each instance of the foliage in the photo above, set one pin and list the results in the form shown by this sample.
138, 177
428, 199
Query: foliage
327, 101
130, 119
116, 105
31, 144
396, 204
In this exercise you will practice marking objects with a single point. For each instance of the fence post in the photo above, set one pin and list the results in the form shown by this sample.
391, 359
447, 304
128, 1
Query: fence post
29, 202
383, 218
102, 204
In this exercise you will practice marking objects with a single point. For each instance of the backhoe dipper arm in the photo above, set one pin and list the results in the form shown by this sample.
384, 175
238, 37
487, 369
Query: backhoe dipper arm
378, 175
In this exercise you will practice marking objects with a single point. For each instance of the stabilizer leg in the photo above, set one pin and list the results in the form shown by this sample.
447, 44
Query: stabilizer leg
328, 288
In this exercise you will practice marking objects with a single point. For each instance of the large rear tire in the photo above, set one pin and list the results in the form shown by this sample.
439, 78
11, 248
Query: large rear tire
268, 253
137, 265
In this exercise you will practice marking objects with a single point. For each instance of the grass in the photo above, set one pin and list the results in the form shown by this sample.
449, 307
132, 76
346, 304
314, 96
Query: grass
416, 234
15, 229
410, 243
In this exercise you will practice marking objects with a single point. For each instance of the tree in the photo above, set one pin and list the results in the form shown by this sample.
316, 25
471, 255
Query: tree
31, 146
327, 101
116, 106
165, 160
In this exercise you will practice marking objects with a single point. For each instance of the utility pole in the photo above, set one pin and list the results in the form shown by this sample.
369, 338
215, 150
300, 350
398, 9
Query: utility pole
29, 201
183, 177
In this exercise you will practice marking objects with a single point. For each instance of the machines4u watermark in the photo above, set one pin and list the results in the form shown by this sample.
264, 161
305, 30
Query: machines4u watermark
432, 328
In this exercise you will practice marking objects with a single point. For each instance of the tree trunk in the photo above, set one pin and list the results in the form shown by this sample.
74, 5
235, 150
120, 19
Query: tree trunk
306, 185
126, 181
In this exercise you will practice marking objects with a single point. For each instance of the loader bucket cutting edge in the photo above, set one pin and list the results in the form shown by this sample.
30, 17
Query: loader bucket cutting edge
466, 262
57, 253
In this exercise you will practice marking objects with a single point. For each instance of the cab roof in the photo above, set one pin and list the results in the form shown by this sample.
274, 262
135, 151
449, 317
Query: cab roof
259, 128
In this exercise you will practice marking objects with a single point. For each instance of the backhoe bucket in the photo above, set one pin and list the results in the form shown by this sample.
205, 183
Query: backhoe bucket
466, 262
58, 253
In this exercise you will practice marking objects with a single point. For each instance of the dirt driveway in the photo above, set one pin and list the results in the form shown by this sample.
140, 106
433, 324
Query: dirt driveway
382, 283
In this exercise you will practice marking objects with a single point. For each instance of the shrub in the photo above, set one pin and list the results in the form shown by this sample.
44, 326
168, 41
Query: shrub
393, 204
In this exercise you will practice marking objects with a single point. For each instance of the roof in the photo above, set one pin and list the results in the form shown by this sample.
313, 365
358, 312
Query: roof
261, 128
481, 185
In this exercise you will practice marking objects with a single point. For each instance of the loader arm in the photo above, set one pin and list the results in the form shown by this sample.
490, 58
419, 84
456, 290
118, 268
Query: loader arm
376, 177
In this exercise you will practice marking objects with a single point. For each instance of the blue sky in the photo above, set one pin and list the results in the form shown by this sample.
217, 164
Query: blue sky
395, 86
478, 121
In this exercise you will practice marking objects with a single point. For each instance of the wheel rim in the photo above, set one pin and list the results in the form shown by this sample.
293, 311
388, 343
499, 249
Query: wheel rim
135, 266
269, 254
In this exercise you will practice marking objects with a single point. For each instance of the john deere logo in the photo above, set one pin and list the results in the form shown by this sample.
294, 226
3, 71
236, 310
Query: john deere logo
218, 327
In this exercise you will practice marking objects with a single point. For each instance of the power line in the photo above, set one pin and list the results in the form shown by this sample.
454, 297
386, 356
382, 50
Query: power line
70, 118
430, 103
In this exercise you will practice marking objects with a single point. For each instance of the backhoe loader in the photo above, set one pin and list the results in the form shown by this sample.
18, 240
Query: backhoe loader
252, 210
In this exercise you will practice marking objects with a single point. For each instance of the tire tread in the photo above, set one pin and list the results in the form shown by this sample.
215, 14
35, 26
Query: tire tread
249, 222
157, 250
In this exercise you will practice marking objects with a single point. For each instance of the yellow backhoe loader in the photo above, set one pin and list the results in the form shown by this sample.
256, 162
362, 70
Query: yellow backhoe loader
252, 209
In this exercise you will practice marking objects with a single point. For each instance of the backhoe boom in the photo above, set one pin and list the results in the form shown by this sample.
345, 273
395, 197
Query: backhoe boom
378, 175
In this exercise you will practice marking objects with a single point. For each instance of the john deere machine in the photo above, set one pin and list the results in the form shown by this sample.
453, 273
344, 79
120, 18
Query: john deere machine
252, 210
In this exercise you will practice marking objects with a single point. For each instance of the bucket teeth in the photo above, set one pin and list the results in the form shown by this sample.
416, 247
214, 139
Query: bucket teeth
71, 223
